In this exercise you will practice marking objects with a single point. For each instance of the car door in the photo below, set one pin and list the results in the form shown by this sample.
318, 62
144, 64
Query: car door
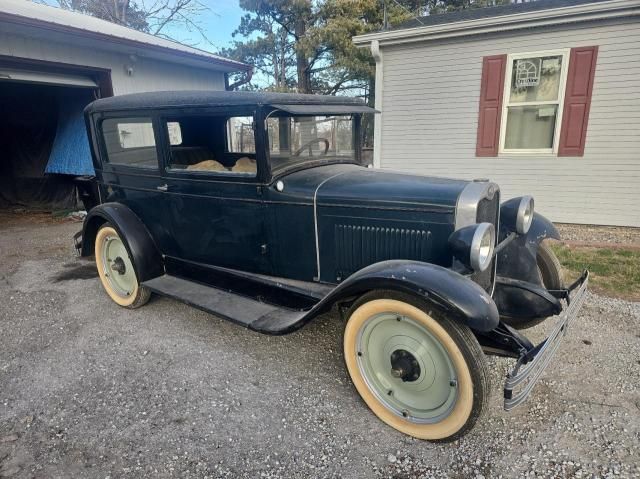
131, 172
212, 189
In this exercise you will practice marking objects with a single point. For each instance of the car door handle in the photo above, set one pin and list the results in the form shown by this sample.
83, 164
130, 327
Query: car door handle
164, 187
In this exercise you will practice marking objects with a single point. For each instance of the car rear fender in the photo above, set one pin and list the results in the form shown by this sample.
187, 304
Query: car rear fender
145, 256
446, 291
517, 260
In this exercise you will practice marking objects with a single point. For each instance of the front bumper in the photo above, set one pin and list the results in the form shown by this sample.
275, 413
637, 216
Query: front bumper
531, 364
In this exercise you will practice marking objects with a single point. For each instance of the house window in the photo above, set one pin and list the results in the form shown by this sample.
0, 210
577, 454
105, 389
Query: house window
533, 100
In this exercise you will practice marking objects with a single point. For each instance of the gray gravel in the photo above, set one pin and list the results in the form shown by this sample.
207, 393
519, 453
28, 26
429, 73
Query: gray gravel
88, 389
610, 235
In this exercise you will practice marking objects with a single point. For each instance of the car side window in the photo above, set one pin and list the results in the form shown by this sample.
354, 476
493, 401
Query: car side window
130, 142
240, 134
216, 144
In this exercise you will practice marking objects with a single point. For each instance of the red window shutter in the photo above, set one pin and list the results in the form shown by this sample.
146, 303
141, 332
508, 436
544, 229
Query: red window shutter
491, 88
577, 101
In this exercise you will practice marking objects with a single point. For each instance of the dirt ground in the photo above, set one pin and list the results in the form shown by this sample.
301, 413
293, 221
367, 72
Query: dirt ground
88, 389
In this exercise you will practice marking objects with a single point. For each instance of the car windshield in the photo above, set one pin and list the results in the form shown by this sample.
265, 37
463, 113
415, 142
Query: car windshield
299, 139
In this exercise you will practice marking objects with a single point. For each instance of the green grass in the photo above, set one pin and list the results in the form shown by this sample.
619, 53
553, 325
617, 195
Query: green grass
614, 271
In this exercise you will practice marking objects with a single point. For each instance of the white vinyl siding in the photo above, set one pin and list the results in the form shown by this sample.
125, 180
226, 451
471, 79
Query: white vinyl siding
148, 74
430, 116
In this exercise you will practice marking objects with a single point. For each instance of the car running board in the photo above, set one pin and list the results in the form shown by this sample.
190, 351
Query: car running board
256, 315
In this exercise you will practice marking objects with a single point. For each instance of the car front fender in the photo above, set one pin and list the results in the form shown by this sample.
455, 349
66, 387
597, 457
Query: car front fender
517, 260
445, 290
147, 260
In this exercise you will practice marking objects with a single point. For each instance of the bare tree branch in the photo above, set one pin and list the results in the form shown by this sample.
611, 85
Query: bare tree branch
154, 17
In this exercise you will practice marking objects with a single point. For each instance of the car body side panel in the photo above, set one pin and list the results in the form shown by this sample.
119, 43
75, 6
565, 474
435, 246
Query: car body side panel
291, 221
351, 238
217, 222
138, 192
337, 219
366, 216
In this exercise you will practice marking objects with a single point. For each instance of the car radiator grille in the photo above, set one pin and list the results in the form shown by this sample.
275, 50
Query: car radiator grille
488, 212
360, 246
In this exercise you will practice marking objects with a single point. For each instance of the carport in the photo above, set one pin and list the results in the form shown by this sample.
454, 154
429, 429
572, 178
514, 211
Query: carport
42, 132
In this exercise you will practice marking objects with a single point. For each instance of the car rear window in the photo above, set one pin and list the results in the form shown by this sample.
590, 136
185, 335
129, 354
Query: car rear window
130, 142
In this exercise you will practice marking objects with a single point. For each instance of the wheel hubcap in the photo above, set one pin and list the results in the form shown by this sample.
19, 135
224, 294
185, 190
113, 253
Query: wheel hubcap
404, 366
407, 368
117, 267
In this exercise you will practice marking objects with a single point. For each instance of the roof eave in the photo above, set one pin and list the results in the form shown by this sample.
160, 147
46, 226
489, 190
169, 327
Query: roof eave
548, 17
222, 63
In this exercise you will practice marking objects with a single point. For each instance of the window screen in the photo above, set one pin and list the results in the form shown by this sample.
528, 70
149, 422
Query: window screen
130, 142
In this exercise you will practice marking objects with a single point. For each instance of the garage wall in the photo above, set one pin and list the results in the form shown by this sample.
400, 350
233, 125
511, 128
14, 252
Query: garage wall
430, 116
149, 74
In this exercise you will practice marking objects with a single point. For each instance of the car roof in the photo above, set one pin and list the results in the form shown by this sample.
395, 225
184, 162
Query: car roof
198, 98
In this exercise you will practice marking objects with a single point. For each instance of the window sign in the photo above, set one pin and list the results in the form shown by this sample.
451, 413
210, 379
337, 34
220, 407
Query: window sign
527, 72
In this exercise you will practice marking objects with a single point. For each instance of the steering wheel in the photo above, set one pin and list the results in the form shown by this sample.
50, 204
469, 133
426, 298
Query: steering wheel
308, 145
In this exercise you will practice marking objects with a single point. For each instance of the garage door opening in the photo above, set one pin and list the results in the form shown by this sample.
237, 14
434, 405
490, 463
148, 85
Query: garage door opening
43, 137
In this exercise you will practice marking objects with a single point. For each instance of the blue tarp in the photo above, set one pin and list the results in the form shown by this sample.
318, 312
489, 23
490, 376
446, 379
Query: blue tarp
70, 154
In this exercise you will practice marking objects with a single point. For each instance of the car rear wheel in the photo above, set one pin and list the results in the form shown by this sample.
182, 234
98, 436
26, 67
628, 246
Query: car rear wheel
116, 270
422, 374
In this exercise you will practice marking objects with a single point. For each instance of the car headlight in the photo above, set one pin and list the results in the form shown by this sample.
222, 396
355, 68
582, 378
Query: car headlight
524, 216
517, 214
473, 245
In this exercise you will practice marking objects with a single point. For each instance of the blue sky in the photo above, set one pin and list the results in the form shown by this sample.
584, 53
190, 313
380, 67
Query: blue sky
219, 22
222, 18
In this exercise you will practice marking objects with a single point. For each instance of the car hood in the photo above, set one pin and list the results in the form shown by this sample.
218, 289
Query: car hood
353, 185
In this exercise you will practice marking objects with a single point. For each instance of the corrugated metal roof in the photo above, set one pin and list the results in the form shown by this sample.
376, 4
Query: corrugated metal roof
486, 12
35, 14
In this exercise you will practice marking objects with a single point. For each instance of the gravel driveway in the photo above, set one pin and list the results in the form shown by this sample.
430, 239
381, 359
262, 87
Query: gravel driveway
88, 389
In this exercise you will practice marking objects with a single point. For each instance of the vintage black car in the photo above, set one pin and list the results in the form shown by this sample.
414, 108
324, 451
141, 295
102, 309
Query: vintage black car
255, 207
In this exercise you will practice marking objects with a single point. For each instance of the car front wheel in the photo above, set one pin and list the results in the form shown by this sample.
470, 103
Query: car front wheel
549, 267
423, 374
116, 271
